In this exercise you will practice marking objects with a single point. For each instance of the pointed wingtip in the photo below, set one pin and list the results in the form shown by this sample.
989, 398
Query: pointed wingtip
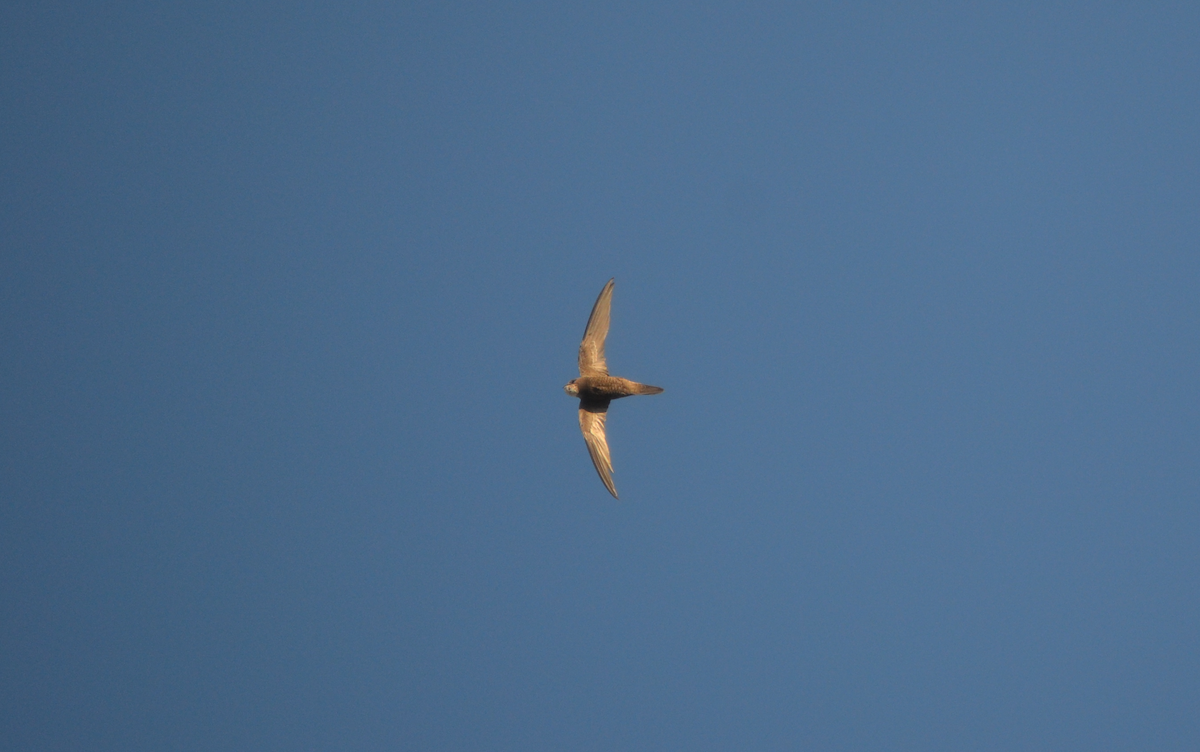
610, 487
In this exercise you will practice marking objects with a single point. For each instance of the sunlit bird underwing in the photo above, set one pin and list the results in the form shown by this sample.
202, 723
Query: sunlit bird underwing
595, 388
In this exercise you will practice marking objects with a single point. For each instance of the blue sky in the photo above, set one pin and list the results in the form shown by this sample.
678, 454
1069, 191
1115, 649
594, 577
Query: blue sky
290, 293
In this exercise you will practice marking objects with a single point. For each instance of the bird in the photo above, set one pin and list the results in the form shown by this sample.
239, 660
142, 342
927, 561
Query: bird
595, 388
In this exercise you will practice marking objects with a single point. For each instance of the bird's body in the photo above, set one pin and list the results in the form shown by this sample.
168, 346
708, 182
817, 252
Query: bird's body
596, 389
610, 388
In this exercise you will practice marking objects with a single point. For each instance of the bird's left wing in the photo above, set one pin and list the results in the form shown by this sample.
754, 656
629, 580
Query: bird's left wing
591, 349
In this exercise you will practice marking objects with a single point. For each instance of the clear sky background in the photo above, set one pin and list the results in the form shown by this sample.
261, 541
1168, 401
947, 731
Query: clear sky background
290, 292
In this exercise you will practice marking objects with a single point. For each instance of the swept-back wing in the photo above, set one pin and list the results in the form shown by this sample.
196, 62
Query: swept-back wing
591, 350
591, 422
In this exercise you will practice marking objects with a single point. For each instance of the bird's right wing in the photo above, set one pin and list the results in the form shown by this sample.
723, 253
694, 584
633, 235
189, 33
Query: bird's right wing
591, 422
591, 350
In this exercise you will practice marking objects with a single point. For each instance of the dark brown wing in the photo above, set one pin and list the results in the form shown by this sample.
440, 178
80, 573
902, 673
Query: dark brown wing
591, 422
591, 350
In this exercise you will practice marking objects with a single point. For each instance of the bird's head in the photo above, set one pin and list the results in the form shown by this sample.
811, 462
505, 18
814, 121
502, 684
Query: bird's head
571, 389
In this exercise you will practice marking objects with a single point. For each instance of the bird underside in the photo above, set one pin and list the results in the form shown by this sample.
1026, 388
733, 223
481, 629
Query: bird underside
595, 388
611, 387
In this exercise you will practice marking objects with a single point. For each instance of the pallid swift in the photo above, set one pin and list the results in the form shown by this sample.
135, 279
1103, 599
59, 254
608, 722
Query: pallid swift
595, 388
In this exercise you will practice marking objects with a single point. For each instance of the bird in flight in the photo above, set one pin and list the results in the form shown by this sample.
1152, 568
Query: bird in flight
595, 388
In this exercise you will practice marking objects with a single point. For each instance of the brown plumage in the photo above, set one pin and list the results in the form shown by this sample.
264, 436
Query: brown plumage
595, 388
